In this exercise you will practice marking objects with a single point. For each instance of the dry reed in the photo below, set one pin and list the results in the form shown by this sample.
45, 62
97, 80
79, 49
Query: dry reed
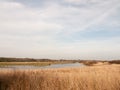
84, 78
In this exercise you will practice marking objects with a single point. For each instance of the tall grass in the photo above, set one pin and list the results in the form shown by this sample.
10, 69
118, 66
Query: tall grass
84, 78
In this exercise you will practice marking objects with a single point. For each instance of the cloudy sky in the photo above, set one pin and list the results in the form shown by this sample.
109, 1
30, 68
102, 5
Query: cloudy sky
60, 29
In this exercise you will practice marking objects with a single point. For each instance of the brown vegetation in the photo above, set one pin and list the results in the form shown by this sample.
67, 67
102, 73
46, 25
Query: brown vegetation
114, 62
85, 78
99, 62
25, 63
22, 60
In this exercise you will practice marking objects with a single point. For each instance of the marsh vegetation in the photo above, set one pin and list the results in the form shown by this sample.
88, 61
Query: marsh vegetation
105, 77
96, 75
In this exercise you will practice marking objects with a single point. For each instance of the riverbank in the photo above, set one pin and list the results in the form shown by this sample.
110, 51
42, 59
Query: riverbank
85, 78
43, 63
4, 61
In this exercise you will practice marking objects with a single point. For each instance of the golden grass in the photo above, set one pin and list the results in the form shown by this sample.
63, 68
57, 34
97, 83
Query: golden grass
32, 63
105, 77
25, 63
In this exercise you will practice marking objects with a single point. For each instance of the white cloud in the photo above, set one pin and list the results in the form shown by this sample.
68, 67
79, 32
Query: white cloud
28, 27
94, 14
55, 16
15, 17
11, 5
27, 31
102, 49
75, 19
74, 1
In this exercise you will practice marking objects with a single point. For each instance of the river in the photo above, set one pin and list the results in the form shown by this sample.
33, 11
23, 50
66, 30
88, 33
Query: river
42, 67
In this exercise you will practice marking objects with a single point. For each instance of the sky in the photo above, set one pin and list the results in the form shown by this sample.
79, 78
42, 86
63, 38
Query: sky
60, 29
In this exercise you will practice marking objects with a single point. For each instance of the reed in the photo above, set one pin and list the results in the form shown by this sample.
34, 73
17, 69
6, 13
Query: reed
25, 63
105, 77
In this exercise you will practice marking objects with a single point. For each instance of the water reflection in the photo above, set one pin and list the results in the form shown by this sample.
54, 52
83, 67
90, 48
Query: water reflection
43, 67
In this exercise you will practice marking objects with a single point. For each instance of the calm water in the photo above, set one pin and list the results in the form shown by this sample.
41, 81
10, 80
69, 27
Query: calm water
43, 67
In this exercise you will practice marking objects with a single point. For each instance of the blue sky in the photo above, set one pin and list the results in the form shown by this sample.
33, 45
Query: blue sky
60, 29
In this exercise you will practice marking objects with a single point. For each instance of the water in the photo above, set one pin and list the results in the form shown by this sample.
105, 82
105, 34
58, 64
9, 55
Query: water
42, 67
63, 65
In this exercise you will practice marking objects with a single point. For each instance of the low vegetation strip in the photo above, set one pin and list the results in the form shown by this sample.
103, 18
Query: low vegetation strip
25, 63
85, 62
85, 78
31, 63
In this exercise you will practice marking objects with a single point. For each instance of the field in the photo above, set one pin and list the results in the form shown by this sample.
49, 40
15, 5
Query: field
104, 77
42, 63
5, 61
25, 63
30, 61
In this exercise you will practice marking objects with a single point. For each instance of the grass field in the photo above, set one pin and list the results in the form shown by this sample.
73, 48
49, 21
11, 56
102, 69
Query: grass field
105, 77
31, 63
25, 63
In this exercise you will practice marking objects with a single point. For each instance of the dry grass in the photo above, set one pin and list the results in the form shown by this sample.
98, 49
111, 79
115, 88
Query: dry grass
84, 78
32, 63
25, 63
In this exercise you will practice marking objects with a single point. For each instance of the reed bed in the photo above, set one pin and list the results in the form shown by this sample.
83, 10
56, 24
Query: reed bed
25, 63
105, 77
33, 63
